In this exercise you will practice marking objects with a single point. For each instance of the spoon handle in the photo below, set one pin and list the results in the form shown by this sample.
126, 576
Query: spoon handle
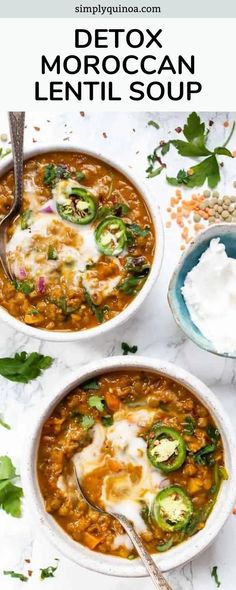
155, 573
17, 126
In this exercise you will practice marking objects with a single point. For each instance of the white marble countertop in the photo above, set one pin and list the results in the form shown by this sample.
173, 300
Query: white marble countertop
129, 140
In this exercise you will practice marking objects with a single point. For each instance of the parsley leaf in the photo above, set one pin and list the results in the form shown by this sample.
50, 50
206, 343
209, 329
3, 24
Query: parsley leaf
24, 367
91, 384
128, 349
20, 577
49, 572
10, 494
94, 401
214, 575
4, 424
87, 422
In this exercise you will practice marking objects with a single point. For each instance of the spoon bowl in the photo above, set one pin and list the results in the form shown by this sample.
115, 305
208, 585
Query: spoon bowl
153, 570
17, 125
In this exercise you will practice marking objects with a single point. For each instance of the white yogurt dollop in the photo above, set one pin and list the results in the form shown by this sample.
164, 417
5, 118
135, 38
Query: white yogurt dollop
210, 294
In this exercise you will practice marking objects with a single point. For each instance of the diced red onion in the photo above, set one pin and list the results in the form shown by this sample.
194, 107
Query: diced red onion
47, 207
164, 483
41, 285
22, 273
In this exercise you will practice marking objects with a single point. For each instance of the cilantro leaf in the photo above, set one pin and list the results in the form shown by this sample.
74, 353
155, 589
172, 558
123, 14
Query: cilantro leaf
165, 147
26, 219
191, 149
4, 424
97, 311
53, 173
107, 420
24, 367
208, 170
189, 425
4, 153
10, 494
91, 384
201, 457
131, 285
87, 422
214, 575
154, 124
128, 349
193, 128
223, 151
80, 176
152, 172
7, 469
95, 401
49, 572
25, 287
182, 178
10, 499
13, 574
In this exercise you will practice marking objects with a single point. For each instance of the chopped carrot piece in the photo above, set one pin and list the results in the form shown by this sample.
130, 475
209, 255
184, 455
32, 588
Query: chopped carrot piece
91, 541
112, 401
114, 465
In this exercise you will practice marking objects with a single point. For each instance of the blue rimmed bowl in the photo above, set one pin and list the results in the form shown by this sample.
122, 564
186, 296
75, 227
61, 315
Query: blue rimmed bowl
227, 234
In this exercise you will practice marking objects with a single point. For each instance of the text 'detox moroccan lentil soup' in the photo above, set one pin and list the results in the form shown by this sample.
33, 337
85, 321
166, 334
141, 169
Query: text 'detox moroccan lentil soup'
81, 248
143, 446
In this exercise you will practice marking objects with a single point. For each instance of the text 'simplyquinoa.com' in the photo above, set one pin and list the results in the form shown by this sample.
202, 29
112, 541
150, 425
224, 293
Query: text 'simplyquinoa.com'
99, 9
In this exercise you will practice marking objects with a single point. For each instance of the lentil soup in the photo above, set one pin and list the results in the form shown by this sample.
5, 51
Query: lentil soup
81, 248
142, 445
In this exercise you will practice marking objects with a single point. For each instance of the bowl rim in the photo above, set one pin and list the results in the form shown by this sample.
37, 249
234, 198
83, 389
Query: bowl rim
127, 313
176, 556
200, 340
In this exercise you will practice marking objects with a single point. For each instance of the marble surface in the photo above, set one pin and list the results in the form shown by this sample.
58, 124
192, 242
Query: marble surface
127, 137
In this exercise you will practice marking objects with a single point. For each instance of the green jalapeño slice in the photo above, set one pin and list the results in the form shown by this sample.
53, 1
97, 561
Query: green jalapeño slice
172, 509
79, 207
166, 448
111, 236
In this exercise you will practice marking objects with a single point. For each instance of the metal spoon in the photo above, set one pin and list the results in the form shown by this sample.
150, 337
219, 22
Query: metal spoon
154, 572
17, 124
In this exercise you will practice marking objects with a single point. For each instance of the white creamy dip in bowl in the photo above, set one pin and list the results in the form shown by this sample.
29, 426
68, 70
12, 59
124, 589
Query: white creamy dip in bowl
177, 555
202, 295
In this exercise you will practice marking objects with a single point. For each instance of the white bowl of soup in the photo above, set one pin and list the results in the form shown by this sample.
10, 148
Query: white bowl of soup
86, 248
149, 440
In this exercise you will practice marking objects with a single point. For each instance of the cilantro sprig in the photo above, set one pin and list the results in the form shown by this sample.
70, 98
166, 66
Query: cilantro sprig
10, 494
24, 366
193, 146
